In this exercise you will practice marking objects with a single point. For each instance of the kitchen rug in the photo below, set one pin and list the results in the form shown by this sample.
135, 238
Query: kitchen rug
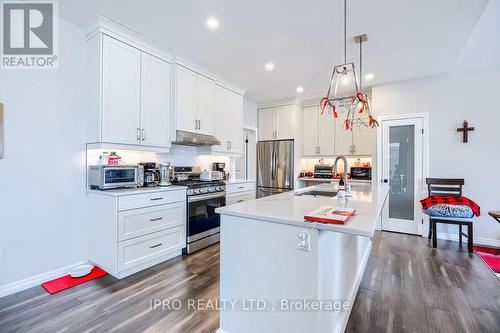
490, 256
65, 282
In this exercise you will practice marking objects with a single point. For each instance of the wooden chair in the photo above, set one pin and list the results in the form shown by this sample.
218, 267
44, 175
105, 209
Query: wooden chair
442, 186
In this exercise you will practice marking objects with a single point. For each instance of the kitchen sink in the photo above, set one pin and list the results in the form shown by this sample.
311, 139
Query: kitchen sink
317, 193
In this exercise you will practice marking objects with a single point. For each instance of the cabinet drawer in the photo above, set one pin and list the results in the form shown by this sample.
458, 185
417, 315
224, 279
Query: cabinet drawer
150, 199
242, 187
139, 222
138, 251
239, 197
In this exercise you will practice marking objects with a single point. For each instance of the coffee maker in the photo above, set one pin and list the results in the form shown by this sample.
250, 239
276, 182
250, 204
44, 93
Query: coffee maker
220, 166
167, 174
152, 176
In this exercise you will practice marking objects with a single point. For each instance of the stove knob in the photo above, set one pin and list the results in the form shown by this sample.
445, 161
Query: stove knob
202, 190
217, 188
195, 191
210, 189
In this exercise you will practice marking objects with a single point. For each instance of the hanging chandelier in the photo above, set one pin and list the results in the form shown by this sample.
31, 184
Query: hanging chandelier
357, 108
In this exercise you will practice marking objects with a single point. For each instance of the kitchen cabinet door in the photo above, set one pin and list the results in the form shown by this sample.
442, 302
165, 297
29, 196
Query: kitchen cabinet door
326, 134
310, 131
235, 103
285, 122
155, 101
221, 130
205, 106
267, 118
185, 99
364, 140
121, 89
343, 138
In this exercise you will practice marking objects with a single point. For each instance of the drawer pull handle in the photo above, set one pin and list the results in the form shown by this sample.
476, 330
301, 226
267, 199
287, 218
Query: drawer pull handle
156, 199
156, 219
153, 246
241, 187
240, 200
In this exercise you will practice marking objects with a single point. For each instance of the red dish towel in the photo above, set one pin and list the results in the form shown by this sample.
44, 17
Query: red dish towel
450, 200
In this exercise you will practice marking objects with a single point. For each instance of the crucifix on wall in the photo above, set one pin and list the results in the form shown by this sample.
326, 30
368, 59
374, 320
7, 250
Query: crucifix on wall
465, 131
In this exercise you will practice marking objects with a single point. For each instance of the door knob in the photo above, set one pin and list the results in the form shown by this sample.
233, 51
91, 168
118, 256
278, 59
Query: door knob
385, 181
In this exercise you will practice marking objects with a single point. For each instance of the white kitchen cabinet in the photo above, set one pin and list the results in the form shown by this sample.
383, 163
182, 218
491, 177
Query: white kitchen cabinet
194, 101
240, 191
318, 132
129, 94
343, 138
277, 123
267, 120
121, 89
363, 140
285, 122
155, 101
205, 107
358, 141
185, 99
310, 130
228, 121
133, 232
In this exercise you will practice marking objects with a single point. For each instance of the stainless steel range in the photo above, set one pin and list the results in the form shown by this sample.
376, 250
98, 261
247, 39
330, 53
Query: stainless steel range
203, 198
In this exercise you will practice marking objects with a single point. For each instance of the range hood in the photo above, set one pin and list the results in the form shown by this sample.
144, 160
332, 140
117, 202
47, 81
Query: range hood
195, 139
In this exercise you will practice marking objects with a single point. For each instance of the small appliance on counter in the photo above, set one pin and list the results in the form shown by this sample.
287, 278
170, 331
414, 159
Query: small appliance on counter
208, 176
152, 176
105, 177
167, 173
323, 171
361, 173
220, 166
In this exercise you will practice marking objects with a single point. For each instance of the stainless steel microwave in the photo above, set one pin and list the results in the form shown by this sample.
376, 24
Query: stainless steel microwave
105, 177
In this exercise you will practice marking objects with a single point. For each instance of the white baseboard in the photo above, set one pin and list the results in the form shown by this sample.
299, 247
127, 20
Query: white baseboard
17, 286
477, 240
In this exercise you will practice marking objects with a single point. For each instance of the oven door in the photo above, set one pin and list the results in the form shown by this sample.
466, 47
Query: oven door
202, 219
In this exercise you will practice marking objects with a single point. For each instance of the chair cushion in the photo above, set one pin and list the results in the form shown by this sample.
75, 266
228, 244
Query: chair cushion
446, 210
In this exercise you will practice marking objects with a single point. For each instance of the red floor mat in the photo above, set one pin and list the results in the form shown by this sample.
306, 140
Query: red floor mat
65, 282
491, 256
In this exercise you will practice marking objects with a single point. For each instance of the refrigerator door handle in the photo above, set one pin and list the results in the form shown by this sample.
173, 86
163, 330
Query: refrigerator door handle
273, 165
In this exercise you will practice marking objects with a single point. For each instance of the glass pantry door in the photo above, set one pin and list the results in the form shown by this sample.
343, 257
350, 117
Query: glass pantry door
402, 168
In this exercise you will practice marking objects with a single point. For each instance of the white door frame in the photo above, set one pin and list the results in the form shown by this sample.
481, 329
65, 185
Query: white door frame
425, 149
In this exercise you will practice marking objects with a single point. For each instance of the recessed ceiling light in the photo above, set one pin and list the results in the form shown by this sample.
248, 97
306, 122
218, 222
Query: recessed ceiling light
369, 76
212, 23
300, 90
269, 66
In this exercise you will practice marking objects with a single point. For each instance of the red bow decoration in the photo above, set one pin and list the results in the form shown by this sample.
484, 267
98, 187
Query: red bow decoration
360, 98
372, 122
325, 104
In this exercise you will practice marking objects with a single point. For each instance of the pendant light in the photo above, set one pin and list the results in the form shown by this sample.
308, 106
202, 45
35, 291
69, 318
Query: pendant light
344, 75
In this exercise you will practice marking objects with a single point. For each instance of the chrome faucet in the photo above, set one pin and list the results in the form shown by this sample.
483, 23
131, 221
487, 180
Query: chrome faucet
347, 187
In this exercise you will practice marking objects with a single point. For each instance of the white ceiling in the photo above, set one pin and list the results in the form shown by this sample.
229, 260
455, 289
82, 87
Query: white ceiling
407, 39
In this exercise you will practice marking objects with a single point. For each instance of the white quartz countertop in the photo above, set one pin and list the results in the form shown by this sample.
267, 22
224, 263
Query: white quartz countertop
139, 190
287, 208
329, 180
238, 181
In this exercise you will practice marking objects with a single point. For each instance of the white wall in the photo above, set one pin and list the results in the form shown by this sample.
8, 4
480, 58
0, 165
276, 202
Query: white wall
449, 100
42, 197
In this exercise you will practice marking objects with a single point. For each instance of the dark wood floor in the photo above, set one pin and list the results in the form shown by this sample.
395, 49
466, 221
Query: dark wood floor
407, 287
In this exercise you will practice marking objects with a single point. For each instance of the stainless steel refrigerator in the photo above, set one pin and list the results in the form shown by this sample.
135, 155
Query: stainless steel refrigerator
274, 167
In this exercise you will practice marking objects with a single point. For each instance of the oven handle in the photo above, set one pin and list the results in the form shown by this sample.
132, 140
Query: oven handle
202, 197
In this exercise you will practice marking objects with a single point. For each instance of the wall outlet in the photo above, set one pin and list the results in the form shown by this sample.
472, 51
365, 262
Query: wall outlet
304, 241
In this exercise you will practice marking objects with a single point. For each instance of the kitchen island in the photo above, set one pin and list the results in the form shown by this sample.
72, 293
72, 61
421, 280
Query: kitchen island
273, 281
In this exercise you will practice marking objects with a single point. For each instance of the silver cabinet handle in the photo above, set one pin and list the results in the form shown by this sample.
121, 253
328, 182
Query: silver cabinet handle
143, 135
241, 187
156, 219
138, 134
196, 124
199, 124
153, 246
230, 145
240, 200
227, 145
156, 199
319, 149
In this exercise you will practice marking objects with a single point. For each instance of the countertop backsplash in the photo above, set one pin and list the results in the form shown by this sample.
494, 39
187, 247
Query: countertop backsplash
178, 156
